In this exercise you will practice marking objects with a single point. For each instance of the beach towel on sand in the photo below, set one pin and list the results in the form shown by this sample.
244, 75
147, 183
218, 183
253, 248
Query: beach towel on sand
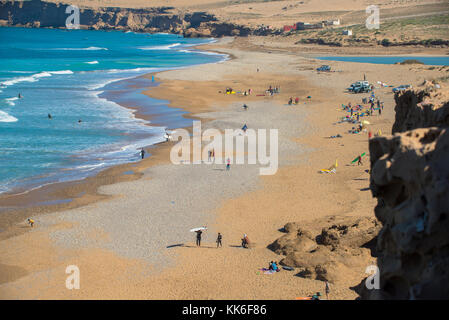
266, 271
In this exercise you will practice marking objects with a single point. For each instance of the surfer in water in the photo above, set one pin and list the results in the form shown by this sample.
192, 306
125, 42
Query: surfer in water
49, 116
198, 238
20, 96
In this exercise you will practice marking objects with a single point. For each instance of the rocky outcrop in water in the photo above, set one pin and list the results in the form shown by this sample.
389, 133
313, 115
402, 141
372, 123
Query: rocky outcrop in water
410, 179
36, 13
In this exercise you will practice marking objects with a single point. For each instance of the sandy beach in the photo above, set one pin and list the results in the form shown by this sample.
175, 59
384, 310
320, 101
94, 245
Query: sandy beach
135, 243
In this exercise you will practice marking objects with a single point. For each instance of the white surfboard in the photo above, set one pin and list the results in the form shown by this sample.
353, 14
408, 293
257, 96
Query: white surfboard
198, 229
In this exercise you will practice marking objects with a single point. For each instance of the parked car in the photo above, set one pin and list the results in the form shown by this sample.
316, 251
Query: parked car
360, 87
402, 88
324, 67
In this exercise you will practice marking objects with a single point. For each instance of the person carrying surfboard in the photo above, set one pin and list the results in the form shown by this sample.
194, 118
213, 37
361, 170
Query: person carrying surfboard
359, 160
198, 238
245, 241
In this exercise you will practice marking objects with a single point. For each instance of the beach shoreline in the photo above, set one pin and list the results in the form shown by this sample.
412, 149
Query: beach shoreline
56, 196
69, 194
280, 198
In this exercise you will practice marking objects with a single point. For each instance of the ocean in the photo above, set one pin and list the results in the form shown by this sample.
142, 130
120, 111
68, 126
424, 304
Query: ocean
84, 75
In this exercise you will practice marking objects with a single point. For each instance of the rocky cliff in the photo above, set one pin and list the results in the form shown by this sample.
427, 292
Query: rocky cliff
410, 179
36, 13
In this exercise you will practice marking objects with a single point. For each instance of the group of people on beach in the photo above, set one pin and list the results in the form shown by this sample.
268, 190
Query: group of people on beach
245, 240
273, 266
210, 155
358, 111
272, 90
290, 101
245, 93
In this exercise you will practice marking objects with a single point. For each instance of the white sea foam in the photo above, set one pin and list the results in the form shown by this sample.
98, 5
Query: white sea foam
10, 101
83, 49
166, 47
92, 62
5, 117
35, 77
61, 72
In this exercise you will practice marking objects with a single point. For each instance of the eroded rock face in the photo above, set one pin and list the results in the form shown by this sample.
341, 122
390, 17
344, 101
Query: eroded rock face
421, 108
36, 13
341, 249
410, 179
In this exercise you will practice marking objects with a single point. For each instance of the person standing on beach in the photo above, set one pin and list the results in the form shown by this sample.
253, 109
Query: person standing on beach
198, 238
142, 153
327, 290
209, 155
31, 222
213, 154
228, 164
219, 237
360, 161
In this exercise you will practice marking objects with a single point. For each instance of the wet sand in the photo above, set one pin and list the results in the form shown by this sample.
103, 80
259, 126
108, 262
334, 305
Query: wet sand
137, 245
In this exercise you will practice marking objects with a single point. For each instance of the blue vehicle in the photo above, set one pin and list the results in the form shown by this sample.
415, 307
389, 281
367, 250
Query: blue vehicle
324, 68
402, 88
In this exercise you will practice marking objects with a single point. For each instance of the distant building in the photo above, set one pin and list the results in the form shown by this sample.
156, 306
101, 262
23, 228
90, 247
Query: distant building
347, 32
332, 22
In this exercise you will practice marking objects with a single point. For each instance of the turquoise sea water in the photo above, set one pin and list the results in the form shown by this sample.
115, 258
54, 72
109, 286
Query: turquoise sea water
75, 75
436, 60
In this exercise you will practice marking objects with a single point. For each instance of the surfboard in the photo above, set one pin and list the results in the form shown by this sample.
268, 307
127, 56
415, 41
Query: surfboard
358, 157
198, 229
